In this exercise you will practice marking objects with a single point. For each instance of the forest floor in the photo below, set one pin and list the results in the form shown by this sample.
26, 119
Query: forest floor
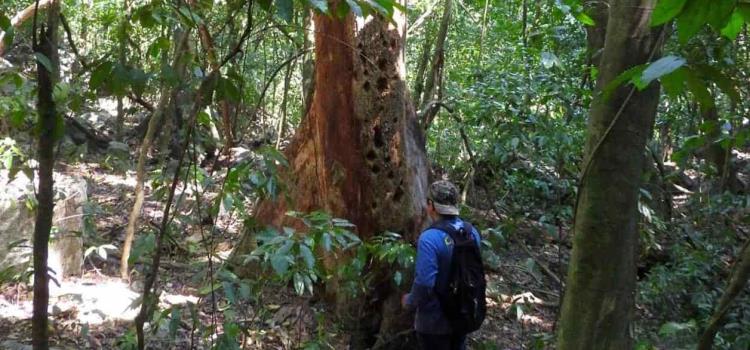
94, 311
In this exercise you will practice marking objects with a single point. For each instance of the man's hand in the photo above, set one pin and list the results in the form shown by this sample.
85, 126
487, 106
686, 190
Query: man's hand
404, 298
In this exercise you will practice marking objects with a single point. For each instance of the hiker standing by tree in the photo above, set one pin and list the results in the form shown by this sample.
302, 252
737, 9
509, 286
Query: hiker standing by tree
449, 284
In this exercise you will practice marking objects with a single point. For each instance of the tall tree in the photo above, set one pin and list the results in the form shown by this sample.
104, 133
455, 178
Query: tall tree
47, 72
359, 153
599, 300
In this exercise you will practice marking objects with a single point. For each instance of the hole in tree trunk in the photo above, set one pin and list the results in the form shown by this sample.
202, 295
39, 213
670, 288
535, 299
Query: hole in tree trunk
382, 84
377, 137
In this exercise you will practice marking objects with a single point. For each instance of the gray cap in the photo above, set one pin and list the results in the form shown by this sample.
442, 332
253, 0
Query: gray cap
444, 196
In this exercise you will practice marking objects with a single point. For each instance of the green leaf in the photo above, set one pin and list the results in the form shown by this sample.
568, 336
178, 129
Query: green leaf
59, 131
342, 9
174, 322
661, 67
285, 10
693, 142
699, 89
674, 83
265, 4
10, 33
43, 60
719, 12
692, 18
100, 74
4, 22
744, 9
17, 118
397, 278
585, 19
725, 83
625, 76
307, 255
280, 263
666, 10
229, 291
734, 25
320, 5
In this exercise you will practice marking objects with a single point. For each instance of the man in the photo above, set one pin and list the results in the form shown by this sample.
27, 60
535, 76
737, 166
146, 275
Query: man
434, 252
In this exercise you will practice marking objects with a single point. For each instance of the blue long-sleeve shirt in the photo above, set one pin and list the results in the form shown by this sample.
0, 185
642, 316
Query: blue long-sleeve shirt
434, 251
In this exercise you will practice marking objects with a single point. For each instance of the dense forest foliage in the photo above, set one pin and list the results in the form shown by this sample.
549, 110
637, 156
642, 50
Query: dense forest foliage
251, 174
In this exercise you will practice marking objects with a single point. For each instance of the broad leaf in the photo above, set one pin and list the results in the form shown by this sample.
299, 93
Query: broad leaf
4, 22
719, 12
307, 255
734, 25
280, 263
100, 74
666, 10
674, 83
44, 61
661, 67
692, 18
585, 19
699, 89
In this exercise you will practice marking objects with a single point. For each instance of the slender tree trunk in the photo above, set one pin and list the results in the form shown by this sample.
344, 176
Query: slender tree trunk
737, 282
433, 85
599, 300
48, 120
122, 56
595, 35
153, 124
308, 65
424, 60
284, 99
224, 108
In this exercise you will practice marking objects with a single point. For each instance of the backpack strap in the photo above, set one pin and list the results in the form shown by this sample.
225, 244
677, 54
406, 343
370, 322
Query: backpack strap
445, 226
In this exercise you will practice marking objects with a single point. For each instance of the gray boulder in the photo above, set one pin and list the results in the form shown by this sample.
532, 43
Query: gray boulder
17, 224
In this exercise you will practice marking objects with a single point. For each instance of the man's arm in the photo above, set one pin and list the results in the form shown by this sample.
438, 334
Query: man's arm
426, 270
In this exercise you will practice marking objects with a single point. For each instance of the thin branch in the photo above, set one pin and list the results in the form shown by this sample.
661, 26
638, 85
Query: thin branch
71, 42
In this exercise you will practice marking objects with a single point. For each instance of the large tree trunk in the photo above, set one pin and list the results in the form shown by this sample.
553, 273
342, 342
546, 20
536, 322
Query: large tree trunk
48, 119
599, 301
359, 153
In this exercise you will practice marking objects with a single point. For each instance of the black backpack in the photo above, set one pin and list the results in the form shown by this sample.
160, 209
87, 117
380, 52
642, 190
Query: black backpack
463, 299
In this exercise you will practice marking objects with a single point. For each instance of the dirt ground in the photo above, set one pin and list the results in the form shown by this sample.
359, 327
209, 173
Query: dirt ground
521, 305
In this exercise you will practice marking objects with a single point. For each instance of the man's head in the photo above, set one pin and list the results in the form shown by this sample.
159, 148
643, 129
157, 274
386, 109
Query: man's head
442, 199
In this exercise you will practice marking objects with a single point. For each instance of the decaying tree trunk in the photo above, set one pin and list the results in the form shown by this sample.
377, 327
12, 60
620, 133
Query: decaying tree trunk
599, 300
359, 153
48, 119
737, 281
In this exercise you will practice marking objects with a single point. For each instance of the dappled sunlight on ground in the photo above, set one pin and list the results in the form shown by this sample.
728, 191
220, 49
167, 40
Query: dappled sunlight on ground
88, 301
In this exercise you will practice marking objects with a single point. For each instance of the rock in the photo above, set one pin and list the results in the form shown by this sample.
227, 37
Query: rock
17, 224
